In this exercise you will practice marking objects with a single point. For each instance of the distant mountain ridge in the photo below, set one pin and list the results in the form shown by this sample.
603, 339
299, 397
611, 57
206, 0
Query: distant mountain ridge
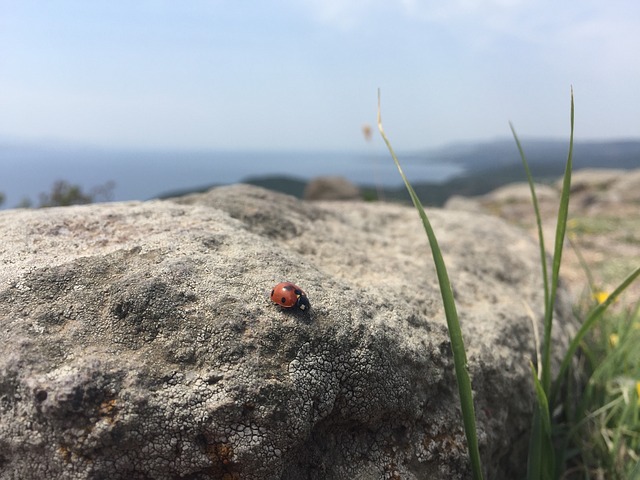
624, 153
471, 168
488, 165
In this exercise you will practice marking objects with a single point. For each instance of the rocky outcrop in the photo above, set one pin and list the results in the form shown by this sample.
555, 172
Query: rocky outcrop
139, 341
591, 188
603, 225
331, 188
605, 186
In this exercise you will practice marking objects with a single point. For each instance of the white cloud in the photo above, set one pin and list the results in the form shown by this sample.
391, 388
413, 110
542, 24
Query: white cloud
451, 10
342, 13
339, 13
524, 19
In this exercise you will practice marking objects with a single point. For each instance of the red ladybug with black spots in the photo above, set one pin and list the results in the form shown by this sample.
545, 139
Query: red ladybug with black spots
289, 295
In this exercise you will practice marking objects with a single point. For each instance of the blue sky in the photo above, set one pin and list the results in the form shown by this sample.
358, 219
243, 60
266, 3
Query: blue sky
304, 74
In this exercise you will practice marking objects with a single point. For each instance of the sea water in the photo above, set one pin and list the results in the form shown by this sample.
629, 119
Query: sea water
141, 175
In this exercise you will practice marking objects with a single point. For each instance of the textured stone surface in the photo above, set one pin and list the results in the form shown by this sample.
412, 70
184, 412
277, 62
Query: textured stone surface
139, 341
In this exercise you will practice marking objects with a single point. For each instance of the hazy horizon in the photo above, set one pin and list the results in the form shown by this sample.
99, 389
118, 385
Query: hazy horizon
29, 169
141, 175
48, 144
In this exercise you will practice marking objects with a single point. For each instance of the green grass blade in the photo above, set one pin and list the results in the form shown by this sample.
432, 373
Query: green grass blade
584, 266
536, 208
561, 227
588, 324
625, 420
455, 333
635, 473
534, 459
541, 464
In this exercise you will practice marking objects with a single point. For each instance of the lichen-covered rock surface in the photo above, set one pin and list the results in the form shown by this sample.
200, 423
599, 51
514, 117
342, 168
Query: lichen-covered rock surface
139, 342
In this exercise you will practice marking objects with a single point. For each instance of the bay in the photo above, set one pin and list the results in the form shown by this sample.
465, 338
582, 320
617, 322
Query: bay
27, 171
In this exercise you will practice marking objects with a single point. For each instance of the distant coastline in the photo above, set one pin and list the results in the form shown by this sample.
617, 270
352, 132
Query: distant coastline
147, 174
466, 169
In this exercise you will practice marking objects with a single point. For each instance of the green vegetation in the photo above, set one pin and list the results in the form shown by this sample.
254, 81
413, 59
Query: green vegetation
602, 424
579, 429
64, 194
624, 227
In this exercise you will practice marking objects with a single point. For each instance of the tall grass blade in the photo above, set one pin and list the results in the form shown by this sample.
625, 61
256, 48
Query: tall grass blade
541, 464
635, 473
541, 461
536, 208
455, 333
561, 227
583, 265
534, 459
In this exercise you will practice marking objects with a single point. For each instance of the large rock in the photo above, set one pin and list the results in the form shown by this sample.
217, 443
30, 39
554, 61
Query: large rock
139, 341
593, 179
627, 187
521, 192
603, 188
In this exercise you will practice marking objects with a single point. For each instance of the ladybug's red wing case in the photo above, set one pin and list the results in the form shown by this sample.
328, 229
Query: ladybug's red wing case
284, 295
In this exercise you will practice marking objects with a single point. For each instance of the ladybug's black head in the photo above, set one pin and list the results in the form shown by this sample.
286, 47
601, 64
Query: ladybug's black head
303, 303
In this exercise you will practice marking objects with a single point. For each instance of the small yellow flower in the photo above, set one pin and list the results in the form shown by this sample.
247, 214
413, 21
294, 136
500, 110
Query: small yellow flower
613, 340
600, 296
638, 391
572, 223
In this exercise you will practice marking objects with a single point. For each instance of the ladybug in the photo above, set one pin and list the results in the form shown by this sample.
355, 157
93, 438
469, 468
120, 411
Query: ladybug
289, 295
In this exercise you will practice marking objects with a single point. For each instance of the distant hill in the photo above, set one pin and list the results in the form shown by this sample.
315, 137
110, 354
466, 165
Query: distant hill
487, 165
493, 164
480, 156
